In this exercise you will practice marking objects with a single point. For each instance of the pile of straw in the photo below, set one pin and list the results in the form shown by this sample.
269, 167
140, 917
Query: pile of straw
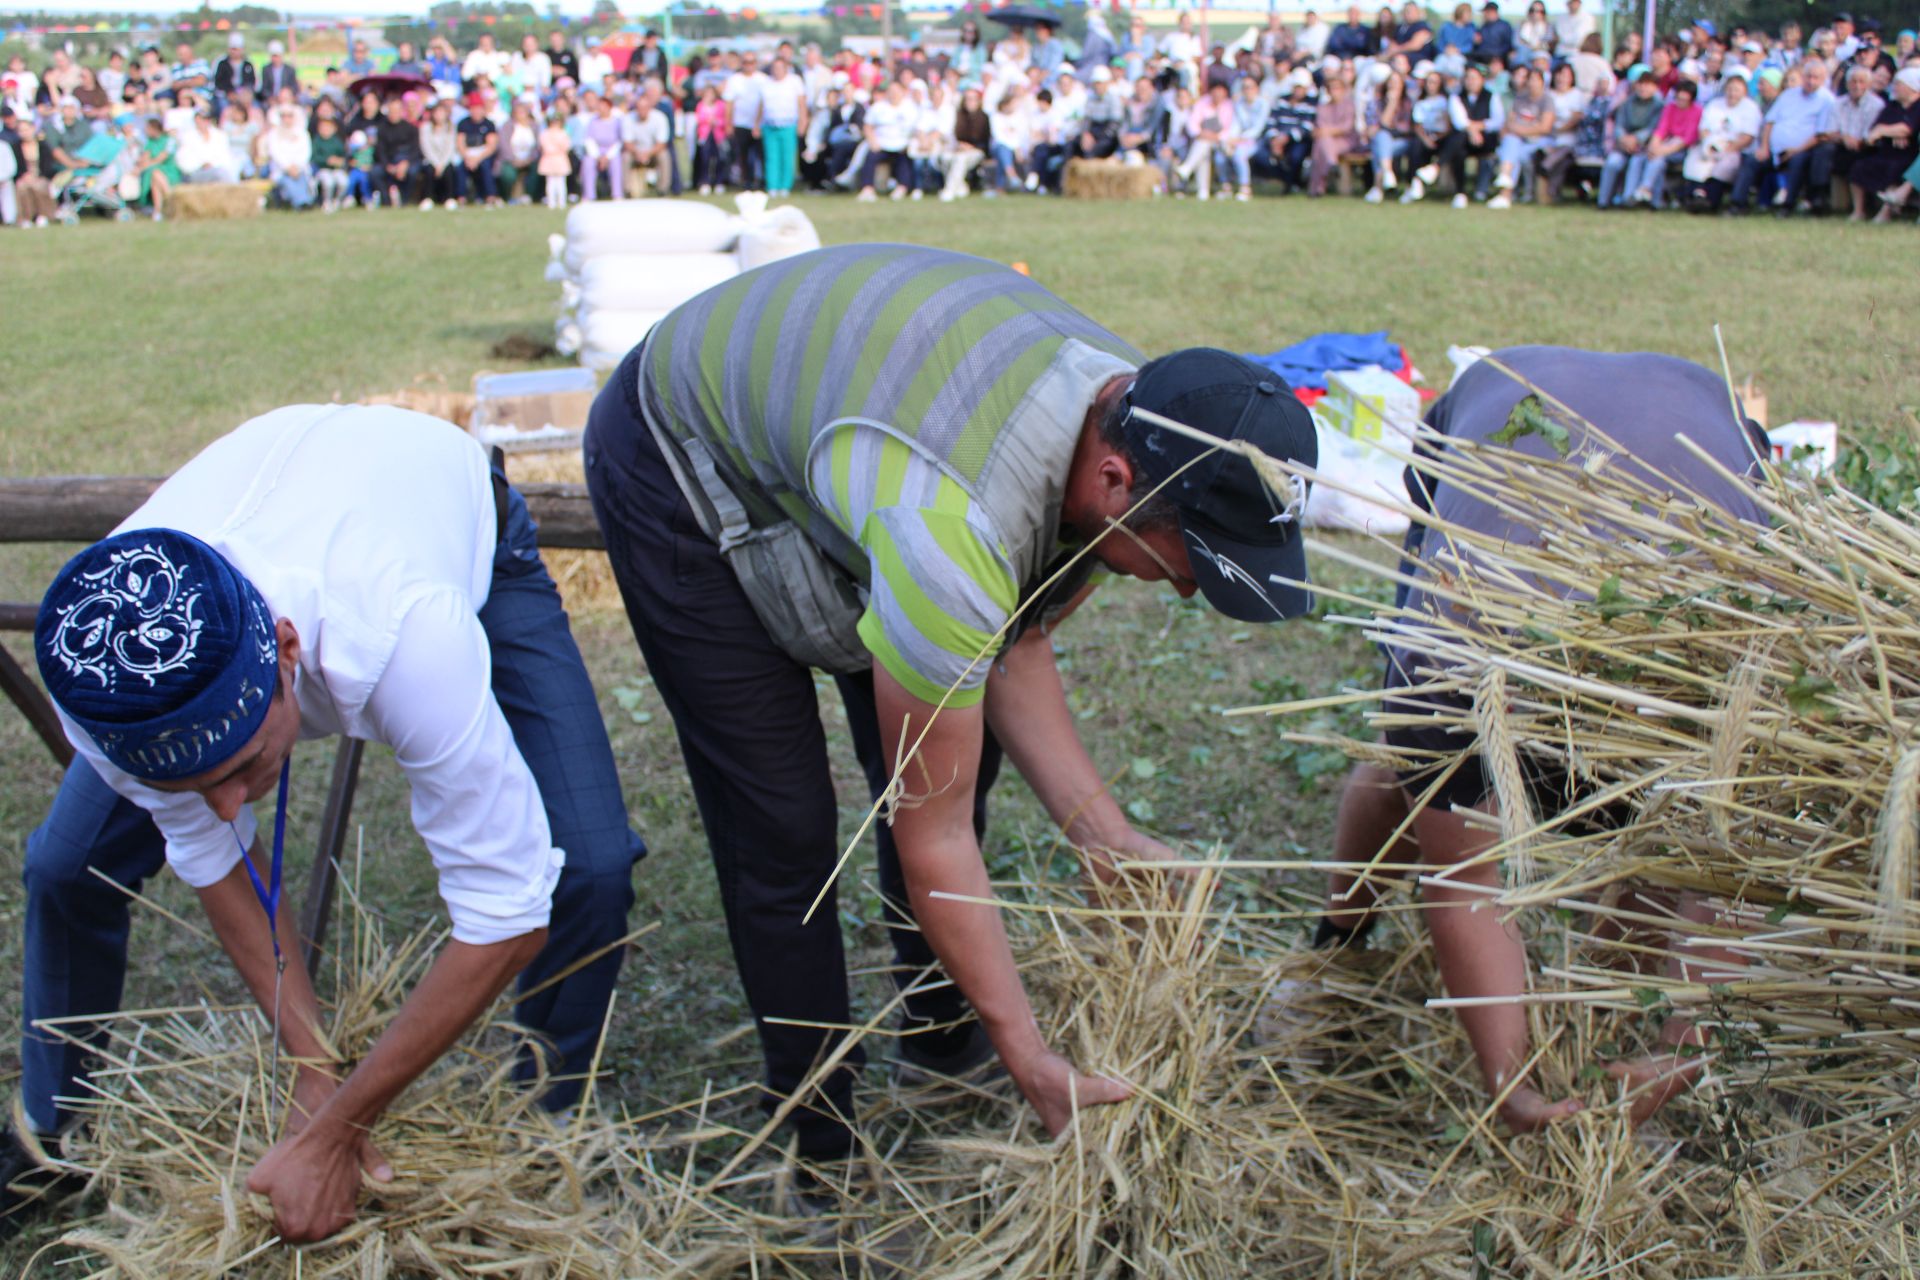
213, 202
486, 1182
585, 578
1108, 180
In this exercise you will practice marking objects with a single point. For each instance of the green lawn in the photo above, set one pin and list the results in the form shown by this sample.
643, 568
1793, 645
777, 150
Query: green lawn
128, 347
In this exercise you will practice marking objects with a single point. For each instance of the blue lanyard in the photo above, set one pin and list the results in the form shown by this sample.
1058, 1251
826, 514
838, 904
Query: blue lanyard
269, 894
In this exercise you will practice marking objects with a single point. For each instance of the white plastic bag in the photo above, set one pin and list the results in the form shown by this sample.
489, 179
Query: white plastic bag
1364, 468
781, 233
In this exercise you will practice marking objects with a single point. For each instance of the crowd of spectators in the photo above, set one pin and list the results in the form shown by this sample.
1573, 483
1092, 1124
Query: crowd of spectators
1472, 110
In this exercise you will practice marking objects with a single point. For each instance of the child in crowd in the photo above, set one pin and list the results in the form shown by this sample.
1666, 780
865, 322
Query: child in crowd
556, 158
360, 171
330, 167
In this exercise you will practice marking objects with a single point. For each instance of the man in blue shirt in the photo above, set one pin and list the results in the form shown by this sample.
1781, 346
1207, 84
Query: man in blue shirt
1352, 38
189, 71
1496, 36
1048, 52
360, 64
1798, 135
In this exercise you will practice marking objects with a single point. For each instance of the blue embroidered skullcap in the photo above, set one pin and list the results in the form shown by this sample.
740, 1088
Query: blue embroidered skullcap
164, 654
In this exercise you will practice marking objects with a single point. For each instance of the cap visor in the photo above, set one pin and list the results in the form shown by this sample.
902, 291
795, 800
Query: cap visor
1237, 577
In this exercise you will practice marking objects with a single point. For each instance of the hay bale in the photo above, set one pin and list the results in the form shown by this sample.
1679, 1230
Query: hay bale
585, 578
1109, 180
206, 202
430, 395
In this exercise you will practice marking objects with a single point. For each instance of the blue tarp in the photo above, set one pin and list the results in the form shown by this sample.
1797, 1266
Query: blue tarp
1305, 365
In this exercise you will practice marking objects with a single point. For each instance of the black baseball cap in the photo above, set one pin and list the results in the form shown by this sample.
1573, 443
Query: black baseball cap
1240, 535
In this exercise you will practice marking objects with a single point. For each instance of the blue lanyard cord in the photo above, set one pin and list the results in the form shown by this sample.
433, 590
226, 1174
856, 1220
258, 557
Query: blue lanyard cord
269, 894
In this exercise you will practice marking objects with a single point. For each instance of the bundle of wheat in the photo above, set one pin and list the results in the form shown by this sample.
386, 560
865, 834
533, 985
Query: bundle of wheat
585, 578
1108, 180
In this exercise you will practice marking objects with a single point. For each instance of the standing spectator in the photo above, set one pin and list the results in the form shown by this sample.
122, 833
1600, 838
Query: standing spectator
1854, 113
1728, 126
235, 71
556, 158
31, 190
396, 156
1336, 131
330, 167
9, 166
889, 126
407, 63
1893, 147
1389, 132
486, 61
1048, 53
1591, 74
649, 59
783, 115
531, 68
1496, 38
1184, 50
25, 83
360, 63
288, 149
603, 153
478, 151
972, 136
745, 107
596, 68
1351, 39
1571, 29
278, 76
1477, 116
1795, 135
1528, 131
112, 78
1679, 129
443, 67
189, 70
1634, 121
561, 62
711, 128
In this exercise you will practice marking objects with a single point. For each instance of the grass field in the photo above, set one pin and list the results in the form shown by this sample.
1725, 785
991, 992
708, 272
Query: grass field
128, 347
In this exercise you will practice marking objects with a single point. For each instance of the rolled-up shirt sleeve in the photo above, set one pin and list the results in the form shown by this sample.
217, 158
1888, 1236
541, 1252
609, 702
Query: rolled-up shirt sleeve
201, 849
475, 802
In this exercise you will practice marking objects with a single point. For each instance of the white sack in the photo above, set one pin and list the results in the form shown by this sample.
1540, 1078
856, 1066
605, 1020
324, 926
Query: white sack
780, 233
1365, 468
607, 336
646, 226
650, 282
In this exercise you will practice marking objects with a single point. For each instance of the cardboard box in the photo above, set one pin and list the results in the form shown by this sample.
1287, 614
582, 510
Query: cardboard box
1812, 446
1369, 404
534, 408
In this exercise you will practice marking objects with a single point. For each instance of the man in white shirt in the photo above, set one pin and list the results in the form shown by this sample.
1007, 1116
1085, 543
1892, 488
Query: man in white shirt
1571, 27
817, 76
596, 67
648, 138
742, 93
322, 570
485, 60
1311, 40
1183, 49
889, 127
204, 154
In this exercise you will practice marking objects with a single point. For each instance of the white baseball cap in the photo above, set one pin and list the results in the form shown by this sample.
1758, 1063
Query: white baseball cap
274, 46
236, 41
1101, 75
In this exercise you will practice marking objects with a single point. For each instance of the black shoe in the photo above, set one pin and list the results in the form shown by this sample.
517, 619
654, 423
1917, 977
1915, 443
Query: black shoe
29, 1184
973, 1061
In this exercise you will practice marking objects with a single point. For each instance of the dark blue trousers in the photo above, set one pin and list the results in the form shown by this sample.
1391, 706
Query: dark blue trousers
76, 925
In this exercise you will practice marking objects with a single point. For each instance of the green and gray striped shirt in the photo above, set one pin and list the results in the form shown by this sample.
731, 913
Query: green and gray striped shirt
914, 410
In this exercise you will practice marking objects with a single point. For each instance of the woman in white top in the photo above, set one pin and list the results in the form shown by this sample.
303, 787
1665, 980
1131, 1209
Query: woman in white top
1728, 126
1011, 56
519, 153
932, 135
1012, 140
1535, 32
1569, 105
290, 159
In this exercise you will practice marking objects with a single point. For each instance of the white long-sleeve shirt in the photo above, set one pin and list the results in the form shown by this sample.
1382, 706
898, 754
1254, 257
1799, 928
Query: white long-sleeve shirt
371, 529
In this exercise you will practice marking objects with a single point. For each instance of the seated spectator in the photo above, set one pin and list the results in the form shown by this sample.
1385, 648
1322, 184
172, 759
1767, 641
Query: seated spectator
1571, 31
360, 63
1286, 141
1528, 131
189, 71
1431, 125
63, 136
556, 158
1634, 121
288, 150
204, 154
1413, 34
1249, 120
1388, 128
846, 137
648, 138
1569, 110
31, 190
1011, 142
1679, 129
396, 157
1854, 113
889, 130
9, 167
1455, 40
1351, 39
1794, 136
366, 116
1591, 72
972, 137
602, 153
1728, 127
1336, 131
517, 156
1477, 116
1893, 148
94, 103
477, 148
243, 140
156, 167
1103, 114
439, 159
330, 164
1535, 32
1141, 126
1211, 131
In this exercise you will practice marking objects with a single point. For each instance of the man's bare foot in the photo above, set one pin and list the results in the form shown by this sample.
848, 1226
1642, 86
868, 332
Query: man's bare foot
1527, 1110
1653, 1081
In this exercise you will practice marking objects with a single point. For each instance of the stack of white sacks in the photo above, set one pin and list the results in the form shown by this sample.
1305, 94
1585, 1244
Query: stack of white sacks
623, 264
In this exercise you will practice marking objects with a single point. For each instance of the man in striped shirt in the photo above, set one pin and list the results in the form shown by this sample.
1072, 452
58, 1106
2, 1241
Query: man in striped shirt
887, 462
